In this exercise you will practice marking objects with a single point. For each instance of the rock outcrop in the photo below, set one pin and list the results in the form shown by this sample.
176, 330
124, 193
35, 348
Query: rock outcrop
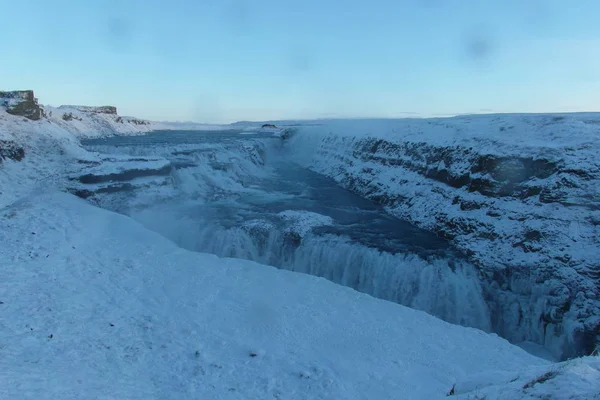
124, 174
22, 103
95, 109
11, 150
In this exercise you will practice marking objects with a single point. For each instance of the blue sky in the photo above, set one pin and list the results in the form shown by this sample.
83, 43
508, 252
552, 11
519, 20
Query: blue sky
228, 60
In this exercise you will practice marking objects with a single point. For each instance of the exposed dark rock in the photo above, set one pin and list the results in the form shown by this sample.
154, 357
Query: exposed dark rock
268, 126
11, 151
466, 205
82, 193
125, 175
138, 121
121, 187
110, 188
292, 238
533, 235
585, 340
489, 175
88, 162
21, 102
96, 110
69, 117
106, 110
527, 247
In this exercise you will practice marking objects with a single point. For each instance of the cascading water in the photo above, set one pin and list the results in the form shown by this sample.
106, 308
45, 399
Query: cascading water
227, 202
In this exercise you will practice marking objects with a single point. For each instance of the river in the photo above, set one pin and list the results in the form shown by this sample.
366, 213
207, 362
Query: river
238, 195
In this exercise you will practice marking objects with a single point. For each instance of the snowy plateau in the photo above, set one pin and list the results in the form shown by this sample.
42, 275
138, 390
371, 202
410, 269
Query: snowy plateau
319, 285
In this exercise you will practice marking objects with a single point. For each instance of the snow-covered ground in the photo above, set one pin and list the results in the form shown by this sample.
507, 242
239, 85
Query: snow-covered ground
94, 305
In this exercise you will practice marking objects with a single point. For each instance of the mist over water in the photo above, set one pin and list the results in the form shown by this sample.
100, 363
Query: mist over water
238, 196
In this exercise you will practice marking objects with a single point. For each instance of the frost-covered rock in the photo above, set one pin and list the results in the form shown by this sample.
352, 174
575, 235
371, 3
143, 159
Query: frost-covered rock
11, 150
517, 193
111, 174
22, 103
97, 109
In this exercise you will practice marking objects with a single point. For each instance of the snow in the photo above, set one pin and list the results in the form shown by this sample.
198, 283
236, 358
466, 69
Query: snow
304, 221
580, 376
537, 350
96, 306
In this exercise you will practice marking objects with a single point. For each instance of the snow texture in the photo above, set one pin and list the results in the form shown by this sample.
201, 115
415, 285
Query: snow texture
304, 221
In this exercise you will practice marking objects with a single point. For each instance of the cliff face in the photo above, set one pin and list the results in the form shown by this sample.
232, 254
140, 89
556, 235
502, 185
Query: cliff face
98, 110
22, 103
525, 212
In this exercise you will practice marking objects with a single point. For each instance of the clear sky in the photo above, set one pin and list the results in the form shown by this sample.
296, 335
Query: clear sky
228, 60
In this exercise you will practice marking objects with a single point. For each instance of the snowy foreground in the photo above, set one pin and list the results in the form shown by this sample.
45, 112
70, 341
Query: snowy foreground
96, 306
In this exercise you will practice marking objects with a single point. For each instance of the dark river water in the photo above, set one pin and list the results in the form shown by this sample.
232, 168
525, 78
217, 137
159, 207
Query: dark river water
237, 195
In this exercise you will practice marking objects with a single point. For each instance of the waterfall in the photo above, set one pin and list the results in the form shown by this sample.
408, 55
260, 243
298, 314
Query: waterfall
212, 211
442, 286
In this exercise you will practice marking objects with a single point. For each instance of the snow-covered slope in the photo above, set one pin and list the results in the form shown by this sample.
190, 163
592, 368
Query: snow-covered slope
518, 193
47, 150
120, 312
